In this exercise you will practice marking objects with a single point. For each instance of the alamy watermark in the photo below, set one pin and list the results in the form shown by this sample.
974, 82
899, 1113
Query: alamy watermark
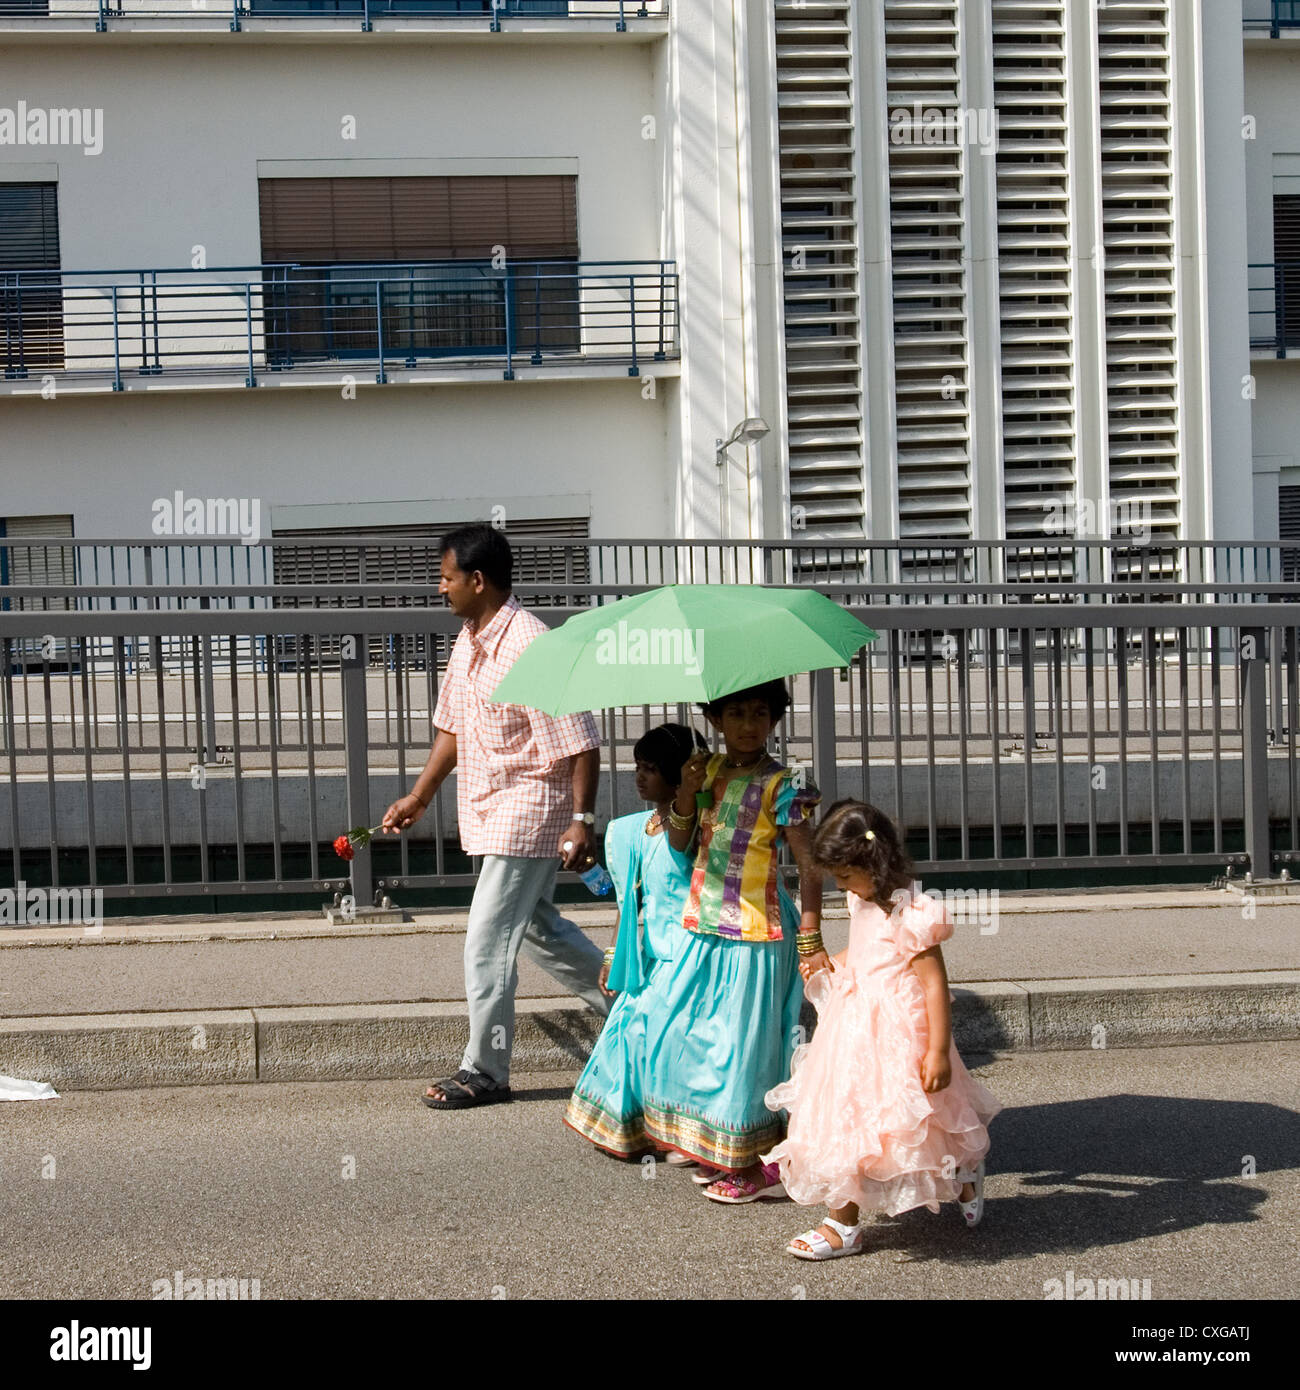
237, 517
627, 645
1127, 518
970, 907
944, 125
55, 125
51, 907
1083, 1290
210, 1290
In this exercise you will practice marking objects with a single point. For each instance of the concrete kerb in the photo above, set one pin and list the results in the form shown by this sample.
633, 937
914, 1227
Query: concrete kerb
422, 1041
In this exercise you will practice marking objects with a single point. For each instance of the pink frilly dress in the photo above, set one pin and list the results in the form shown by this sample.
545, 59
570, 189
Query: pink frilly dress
862, 1128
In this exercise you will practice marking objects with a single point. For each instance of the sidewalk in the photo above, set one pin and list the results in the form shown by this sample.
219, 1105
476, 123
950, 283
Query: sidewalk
186, 1001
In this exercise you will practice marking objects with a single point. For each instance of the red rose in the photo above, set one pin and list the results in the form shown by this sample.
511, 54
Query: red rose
343, 848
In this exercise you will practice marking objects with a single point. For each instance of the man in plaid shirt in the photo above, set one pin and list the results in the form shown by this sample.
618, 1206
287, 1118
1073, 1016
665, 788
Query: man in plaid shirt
526, 789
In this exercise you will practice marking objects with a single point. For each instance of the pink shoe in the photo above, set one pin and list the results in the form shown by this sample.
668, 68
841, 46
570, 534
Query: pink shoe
735, 1190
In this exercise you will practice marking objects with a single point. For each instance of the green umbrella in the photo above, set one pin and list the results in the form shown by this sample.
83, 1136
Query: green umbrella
687, 642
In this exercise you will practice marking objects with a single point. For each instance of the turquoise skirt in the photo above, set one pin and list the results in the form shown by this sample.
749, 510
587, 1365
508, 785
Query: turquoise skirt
722, 1034
606, 1105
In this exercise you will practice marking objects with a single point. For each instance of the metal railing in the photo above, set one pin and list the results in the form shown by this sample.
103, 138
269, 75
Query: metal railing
130, 326
1273, 299
176, 568
494, 16
1073, 736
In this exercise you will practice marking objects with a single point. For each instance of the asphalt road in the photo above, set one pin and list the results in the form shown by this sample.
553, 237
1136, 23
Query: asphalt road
1121, 1164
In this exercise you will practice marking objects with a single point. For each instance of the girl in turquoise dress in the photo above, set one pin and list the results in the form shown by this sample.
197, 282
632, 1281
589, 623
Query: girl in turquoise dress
728, 1024
651, 878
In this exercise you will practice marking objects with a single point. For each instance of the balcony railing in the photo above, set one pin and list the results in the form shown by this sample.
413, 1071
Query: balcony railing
493, 15
1274, 306
1277, 14
127, 327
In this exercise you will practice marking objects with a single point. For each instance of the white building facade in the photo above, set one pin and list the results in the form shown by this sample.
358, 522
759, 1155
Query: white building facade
985, 266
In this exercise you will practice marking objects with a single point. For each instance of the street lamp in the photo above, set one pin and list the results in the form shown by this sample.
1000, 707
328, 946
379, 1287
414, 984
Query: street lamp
749, 431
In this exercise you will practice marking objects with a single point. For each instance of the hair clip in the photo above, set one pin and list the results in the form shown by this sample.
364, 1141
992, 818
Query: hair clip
870, 835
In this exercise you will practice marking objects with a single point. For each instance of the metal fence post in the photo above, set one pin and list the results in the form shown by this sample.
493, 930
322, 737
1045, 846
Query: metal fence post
250, 379
356, 752
823, 735
508, 289
117, 346
1253, 652
209, 753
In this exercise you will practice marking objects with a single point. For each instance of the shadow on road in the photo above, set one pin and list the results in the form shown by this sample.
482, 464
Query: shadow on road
1111, 1170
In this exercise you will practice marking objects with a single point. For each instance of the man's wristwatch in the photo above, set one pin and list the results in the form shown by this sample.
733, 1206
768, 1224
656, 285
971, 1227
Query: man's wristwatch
586, 817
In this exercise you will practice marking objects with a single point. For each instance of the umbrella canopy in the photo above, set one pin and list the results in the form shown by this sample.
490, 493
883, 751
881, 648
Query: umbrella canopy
686, 642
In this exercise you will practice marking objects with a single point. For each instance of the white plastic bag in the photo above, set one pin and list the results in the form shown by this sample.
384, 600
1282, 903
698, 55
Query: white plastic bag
13, 1089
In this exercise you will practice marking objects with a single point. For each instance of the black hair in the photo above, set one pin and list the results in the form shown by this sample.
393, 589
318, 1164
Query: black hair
840, 842
480, 546
773, 694
667, 747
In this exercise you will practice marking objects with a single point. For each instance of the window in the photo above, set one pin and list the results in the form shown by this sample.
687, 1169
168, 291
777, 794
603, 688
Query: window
417, 255
506, 8
410, 555
31, 297
1288, 516
1286, 270
37, 565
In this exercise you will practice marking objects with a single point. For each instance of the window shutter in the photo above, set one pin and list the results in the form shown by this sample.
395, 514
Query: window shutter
1286, 254
376, 220
29, 226
1288, 516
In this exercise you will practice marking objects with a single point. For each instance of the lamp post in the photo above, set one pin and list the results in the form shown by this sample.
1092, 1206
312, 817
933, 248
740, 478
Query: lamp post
749, 431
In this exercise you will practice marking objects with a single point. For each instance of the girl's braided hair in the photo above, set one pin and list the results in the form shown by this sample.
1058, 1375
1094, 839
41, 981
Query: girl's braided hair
854, 835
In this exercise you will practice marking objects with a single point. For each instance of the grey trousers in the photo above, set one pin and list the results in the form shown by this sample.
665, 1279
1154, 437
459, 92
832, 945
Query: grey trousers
512, 908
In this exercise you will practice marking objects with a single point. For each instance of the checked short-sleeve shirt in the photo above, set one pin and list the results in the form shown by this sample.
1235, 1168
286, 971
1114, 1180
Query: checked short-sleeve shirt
514, 774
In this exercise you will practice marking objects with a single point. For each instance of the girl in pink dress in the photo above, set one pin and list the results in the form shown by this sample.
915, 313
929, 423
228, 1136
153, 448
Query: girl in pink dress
883, 1115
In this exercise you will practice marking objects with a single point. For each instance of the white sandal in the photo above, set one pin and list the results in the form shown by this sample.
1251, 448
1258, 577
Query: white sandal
677, 1159
973, 1210
822, 1249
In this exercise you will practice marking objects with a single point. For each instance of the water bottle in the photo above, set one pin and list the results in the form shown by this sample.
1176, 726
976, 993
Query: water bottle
594, 876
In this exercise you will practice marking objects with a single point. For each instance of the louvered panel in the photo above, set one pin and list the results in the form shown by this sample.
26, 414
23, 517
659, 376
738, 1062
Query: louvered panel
928, 236
1288, 515
819, 232
1139, 241
320, 558
1035, 283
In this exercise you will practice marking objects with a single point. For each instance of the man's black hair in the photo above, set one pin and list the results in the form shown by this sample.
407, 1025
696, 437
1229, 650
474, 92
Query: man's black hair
479, 546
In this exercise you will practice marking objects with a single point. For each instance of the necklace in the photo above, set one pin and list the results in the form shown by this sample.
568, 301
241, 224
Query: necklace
753, 762
654, 823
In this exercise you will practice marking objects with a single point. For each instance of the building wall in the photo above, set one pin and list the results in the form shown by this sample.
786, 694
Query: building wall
188, 128
185, 127
106, 459
1272, 83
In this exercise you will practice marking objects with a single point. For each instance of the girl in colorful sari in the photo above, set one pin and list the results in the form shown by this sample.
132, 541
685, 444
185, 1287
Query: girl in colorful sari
731, 1002
650, 878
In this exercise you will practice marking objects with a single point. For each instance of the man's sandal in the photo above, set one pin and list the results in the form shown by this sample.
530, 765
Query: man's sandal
465, 1089
821, 1249
733, 1189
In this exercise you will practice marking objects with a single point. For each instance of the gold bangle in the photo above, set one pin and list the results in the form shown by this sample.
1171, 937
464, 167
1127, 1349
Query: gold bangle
809, 944
680, 822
